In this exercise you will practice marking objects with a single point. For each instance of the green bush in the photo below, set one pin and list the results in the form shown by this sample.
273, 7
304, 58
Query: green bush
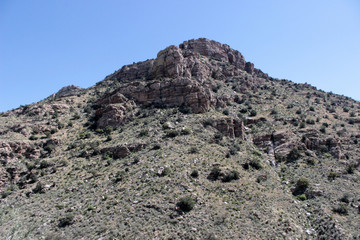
301, 185
310, 121
215, 173
193, 150
301, 197
165, 172
255, 163
229, 176
341, 209
194, 174
66, 220
39, 188
293, 155
143, 133
186, 204
185, 131
171, 133
332, 175
119, 176
253, 113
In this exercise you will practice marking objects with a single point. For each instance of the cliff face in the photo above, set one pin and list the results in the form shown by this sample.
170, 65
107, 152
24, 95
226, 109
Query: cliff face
200, 59
194, 144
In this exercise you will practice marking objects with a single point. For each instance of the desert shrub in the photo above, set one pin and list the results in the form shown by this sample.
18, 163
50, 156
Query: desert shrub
185, 109
193, 150
185, 131
298, 111
323, 129
301, 197
44, 164
60, 125
253, 113
207, 122
273, 112
165, 172
171, 133
108, 130
350, 168
218, 136
312, 109
143, 133
352, 114
76, 116
311, 161
310, 121
340, 209
332, 175
30, 166
233, 150
6, 193
226, 112
301, 185
39, 188
156, 146
32, 177
261, 178
215, 173
231, 175
186, 204
194, 173
66, 220
33, 138
293, 155
243, 110
49, 148
119, 176
345, 198
255, 163
325, 124
302, 125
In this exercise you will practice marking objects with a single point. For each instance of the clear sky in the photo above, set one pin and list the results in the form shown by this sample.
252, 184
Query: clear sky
45, 45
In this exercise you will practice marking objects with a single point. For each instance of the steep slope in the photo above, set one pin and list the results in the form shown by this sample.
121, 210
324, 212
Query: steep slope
195, 144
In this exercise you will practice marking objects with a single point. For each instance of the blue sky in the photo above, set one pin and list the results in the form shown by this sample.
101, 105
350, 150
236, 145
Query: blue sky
45, 45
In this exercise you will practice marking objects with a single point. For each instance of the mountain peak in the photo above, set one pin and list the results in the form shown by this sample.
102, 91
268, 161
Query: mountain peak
197, 58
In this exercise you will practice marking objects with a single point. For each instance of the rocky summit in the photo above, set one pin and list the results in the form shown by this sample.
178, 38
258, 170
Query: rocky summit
194, 144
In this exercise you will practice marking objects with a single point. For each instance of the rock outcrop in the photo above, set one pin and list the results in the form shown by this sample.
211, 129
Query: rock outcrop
198, 58
230, 127
170, 93
115, 110
67, 91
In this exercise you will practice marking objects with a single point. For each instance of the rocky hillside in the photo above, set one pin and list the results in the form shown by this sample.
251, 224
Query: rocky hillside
195, 144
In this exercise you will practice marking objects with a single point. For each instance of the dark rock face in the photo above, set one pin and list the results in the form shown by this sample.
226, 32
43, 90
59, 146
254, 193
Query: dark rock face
230, 127
313, 141
115, 110
170, 93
